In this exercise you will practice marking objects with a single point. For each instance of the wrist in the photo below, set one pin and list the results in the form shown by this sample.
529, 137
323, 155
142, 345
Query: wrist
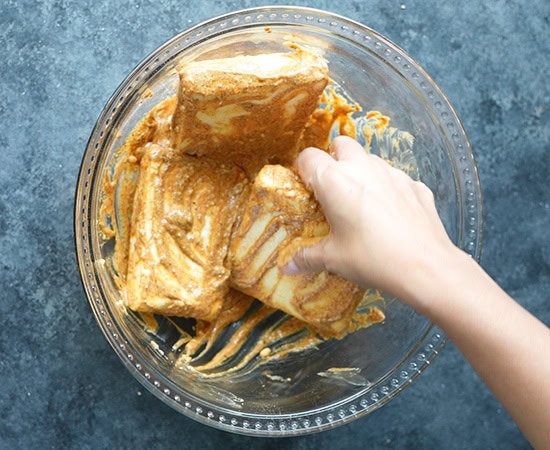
437, 279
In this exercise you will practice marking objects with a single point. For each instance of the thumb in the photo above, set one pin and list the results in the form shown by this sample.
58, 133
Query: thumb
308, 259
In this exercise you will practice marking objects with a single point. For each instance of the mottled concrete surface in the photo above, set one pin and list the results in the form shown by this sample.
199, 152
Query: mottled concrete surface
63, 387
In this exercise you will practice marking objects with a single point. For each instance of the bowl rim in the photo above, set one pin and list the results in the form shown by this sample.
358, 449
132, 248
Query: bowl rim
411, 366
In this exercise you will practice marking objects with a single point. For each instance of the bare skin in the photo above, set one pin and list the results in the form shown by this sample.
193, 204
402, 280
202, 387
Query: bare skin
386, 234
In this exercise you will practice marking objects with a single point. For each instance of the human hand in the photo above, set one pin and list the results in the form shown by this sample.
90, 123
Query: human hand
385, 231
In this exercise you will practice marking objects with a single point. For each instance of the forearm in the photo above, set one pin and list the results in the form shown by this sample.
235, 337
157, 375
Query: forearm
501, 340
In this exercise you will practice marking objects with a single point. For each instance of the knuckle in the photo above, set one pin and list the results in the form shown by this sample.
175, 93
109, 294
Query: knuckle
424, 190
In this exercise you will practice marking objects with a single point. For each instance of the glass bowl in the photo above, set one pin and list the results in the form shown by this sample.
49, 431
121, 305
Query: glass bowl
287, 397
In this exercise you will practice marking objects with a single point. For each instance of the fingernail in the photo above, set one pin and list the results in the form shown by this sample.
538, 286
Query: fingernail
291, 268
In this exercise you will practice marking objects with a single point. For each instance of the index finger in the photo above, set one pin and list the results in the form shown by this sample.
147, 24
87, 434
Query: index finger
346, 148
320, 172
311, 163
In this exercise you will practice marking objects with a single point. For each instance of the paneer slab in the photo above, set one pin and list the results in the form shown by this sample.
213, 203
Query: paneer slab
280, 216
185, 209
250, 109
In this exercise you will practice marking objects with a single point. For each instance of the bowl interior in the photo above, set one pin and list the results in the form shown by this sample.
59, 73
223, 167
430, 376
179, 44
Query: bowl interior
287, 395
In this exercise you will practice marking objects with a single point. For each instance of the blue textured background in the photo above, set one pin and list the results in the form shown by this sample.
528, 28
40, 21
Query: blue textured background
61, 386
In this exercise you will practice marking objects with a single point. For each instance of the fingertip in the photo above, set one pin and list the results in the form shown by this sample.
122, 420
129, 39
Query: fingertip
342, 140
311, 153
345, 147
310, 162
